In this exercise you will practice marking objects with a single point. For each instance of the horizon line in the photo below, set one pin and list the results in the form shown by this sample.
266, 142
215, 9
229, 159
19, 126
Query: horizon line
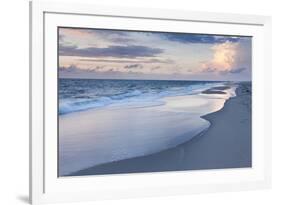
71, 78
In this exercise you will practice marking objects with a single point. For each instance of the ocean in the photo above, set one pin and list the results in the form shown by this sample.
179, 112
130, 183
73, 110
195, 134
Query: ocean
83, 94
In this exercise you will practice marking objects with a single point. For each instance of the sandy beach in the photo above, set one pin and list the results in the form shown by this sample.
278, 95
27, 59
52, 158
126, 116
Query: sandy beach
224, 143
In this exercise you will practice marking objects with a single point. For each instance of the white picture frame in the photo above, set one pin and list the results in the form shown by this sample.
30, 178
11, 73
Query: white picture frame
46, 187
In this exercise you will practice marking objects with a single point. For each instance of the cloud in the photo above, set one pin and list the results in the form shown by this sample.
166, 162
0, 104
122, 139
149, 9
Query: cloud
133, 66
99, 67
223, 58
110, 36
121, 40
156, 68
116, 36
199, 38
237, 70
112, 73
73, 71
71, 68
107, 32
152, 60
98, 52
228, 57
131, 51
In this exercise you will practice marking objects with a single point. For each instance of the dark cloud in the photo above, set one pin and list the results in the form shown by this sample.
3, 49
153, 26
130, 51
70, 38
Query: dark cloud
165, 61
75, 69
99, 67
105, 32
114, 35
198, 38
237, 70
131, 51
223, 72
156, 68
132, 66
71, 68
121, 40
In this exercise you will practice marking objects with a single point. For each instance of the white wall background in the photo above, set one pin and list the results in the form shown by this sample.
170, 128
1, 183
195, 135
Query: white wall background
14, 100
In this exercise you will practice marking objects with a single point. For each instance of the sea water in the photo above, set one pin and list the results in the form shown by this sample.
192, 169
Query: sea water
82, 94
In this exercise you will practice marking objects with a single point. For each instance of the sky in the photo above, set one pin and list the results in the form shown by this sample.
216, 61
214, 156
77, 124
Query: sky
116, 54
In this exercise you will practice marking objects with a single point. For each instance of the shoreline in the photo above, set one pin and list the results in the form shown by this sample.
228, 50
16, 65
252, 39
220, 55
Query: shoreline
187, 156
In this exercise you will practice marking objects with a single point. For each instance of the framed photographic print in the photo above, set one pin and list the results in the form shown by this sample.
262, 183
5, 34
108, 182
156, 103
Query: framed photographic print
130, 102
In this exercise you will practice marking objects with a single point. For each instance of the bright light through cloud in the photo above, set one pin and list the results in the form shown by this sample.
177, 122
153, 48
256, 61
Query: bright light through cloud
223, 58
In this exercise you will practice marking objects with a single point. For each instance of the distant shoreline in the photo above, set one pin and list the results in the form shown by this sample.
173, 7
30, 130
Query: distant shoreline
225, 144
